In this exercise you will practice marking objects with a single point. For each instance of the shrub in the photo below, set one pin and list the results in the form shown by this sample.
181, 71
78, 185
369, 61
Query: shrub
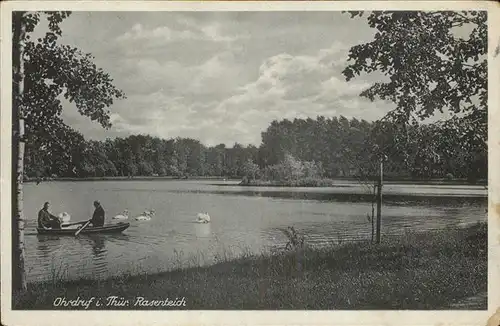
449, 176
293, 172
295, 239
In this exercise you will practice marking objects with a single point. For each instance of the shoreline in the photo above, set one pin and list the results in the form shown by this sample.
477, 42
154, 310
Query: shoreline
321, 183
138, 178
326, 182
419, 270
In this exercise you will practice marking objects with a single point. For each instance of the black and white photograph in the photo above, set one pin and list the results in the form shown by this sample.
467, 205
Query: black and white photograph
248, 159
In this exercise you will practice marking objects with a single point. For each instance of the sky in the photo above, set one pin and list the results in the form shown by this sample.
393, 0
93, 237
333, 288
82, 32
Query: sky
220, 77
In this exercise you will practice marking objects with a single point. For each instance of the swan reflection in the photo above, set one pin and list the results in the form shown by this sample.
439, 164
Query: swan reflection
203, 230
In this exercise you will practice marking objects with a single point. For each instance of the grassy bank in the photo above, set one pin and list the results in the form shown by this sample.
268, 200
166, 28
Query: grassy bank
431, 270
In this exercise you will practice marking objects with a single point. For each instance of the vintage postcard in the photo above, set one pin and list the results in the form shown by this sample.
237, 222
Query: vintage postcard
250, 162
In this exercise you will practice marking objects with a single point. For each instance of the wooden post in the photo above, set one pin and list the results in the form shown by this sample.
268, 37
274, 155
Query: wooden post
373, 214
379, 200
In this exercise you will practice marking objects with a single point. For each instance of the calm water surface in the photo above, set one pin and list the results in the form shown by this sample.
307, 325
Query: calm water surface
244, 220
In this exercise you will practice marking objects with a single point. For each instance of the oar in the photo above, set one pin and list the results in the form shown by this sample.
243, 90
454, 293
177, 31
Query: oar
81, 229
74, 223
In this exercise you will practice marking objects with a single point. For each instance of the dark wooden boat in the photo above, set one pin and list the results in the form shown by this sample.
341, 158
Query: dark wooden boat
110, 228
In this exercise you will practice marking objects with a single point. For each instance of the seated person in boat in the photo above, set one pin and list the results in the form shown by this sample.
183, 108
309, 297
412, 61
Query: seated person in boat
99, 215
47, 220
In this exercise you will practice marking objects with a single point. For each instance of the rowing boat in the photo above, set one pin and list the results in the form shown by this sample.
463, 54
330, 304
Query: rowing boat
110, 228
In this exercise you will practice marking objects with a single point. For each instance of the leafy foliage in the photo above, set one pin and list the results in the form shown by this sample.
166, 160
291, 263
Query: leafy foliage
42, 71
309, 149
53, 71
429, 68
428, 65
250, 169
61, 154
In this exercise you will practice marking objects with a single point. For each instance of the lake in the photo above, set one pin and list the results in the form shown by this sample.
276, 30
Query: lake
244, 220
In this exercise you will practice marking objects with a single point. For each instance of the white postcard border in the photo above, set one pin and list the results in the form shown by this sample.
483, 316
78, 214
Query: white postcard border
22, 317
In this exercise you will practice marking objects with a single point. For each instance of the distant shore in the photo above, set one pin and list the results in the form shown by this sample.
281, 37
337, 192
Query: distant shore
439, 269
335, 182
135, 178
323, 182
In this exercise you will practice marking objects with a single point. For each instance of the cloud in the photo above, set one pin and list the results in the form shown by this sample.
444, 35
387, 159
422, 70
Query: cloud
286, 86
223, 77
212, 79
180, 40
296, 87
191, 31
163, 33
213, 32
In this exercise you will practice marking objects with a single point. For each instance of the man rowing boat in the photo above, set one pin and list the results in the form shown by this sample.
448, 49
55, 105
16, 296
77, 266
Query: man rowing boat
47, 220
99, 215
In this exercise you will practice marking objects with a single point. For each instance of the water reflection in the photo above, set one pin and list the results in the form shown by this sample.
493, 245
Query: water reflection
389, 199
118, 236
46, 244
98, 246
98, 253
247, 220
202, 230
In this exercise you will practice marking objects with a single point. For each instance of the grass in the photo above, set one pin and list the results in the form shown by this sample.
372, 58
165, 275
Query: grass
429, 270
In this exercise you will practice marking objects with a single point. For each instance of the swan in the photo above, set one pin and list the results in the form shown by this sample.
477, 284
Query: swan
64, 217
146, 216
123, 216
202, 218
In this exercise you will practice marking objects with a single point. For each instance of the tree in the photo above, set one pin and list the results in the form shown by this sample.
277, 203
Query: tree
43, 70
292, 168
66, 144
428, 65
312, 169
250, 169
18, 141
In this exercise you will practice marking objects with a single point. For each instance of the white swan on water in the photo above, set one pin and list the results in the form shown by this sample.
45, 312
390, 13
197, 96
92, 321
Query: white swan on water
64, 217
123, 216
146, 216
203, 218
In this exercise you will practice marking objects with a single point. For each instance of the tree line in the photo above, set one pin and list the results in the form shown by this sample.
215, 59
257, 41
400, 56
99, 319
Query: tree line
331, 147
